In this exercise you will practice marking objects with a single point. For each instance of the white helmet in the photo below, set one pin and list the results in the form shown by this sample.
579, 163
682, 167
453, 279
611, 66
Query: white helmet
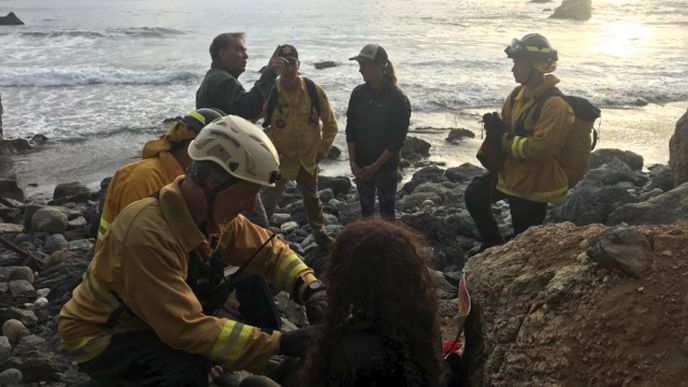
239, 147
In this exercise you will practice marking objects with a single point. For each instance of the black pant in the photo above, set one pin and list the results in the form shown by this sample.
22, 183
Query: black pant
141, 359
482, 192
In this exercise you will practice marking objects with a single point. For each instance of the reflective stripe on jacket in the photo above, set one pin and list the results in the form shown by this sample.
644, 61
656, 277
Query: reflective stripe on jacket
133, 182
144, 260
298, 138
531, 170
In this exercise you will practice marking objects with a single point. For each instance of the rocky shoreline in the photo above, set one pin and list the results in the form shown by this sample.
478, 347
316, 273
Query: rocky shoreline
46, 246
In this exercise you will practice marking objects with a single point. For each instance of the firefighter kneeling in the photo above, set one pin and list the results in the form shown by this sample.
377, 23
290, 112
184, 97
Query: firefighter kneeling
137, 317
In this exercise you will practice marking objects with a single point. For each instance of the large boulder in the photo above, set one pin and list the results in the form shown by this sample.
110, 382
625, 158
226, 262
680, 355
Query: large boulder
544, 313
678, 151
415, 148
573, 9
623, 248
338, 185
590, 202
70, 192
605, 156
36, 361
9, 188
10, 20
49, 219
665, 208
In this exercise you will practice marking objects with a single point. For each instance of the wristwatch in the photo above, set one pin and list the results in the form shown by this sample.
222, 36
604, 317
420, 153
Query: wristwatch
312, 288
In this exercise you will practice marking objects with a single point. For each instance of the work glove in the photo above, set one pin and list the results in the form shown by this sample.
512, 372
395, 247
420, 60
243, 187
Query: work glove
495, 128
294, 343
316, 306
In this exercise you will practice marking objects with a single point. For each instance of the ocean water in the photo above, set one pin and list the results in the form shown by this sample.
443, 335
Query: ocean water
99, 76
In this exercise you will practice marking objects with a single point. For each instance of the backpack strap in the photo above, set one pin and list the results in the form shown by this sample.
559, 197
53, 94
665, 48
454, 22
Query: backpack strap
271, 102
512, 96
551, 92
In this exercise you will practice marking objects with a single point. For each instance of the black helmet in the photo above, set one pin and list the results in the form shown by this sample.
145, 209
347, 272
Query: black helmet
534, 47
199, 118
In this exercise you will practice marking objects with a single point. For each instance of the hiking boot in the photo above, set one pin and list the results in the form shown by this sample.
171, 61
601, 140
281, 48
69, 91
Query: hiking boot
323, 240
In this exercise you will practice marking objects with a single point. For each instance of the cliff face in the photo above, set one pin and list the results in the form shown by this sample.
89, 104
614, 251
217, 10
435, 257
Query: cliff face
591, 305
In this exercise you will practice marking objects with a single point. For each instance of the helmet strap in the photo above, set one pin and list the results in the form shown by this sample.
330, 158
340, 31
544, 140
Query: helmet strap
210, 194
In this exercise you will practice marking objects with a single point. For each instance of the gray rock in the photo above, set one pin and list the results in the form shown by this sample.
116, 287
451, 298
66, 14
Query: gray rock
590, 202
54, 242
412, 202
11, 228
49, 219
21, 273
415, 148
71, 192
9, 188
10, 377
338, 184
326, 195
5, 350
665, 208
464, 173
36, 361
289, 226
10, 20
77, 222
27, 317
661, 176
456, 135
430, 173
280, 218
43, 292
334, 153
14, 330
329, 219
622, 248
605, 155
573, 9
678, 151
326, 64
80, 245
613, 172
22, 288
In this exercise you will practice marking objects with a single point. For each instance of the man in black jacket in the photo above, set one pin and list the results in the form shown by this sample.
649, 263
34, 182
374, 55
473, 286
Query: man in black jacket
222, 90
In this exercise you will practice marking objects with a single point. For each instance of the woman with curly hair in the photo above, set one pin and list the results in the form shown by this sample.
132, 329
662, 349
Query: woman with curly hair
382, 325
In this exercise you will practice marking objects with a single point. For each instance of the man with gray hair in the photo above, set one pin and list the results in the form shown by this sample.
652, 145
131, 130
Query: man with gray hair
222, 90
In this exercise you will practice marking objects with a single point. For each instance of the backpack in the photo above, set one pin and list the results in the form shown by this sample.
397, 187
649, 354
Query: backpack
271, 103
575, 153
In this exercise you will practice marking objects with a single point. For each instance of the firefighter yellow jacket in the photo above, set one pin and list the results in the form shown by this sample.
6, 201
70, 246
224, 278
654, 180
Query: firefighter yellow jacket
299, 139
144, 260
133, 182
531, 170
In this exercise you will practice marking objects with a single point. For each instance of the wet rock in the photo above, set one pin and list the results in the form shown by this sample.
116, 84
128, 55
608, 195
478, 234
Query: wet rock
289, 226
10, 20
54, 242
622, 248
326, 195
21, 273
326, 64
49, 219
11, 377
334, 153
22, 288
661, 177
27, 317
5, 350
280, 218
464, 173
431, 173
36, 361
338, 184
77, 222
14, 330
615, 171
665, 208
678, 151
573, 9
604, 156
456, 135
74, 192
9, 188
415, 148
81, 245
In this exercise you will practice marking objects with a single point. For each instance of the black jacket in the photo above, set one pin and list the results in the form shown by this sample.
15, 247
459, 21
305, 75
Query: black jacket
221, 89
377, 120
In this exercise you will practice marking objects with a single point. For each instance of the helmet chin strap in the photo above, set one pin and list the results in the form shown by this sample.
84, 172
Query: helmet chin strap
210, 194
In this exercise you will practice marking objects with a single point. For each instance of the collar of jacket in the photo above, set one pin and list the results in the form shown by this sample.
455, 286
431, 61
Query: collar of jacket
178, 216
222, 67
549, 82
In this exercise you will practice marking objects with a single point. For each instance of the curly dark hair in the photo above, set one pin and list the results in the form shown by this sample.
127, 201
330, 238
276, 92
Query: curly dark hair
379, 273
